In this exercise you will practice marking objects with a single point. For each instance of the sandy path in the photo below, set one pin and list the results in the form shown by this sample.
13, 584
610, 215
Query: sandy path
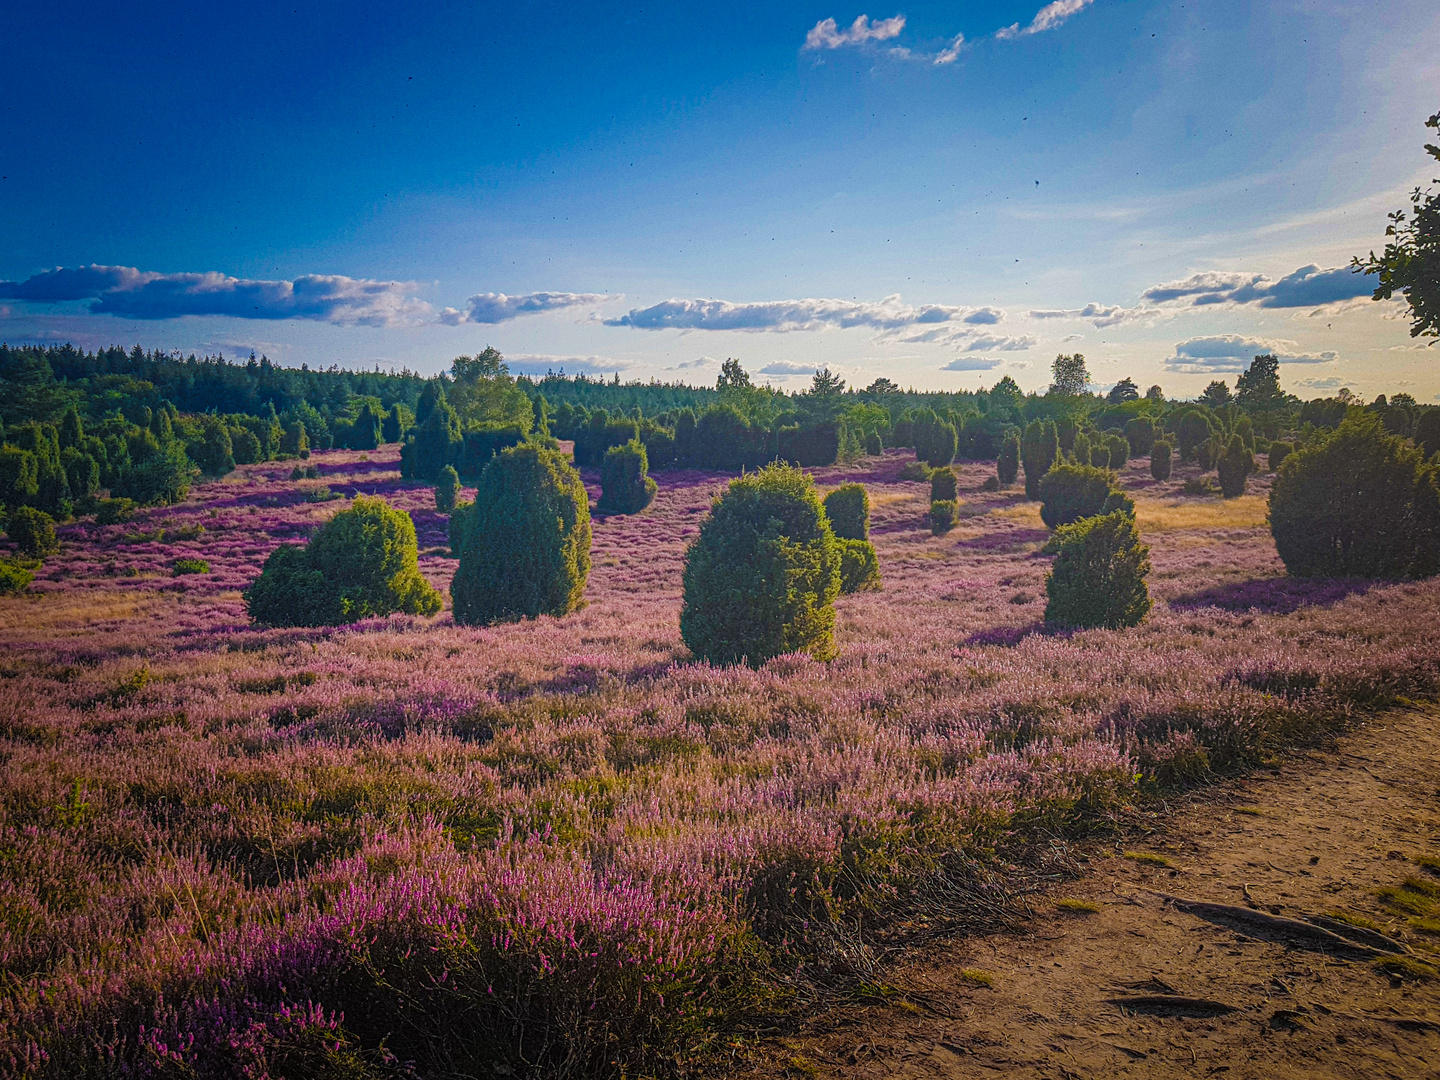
1321, 833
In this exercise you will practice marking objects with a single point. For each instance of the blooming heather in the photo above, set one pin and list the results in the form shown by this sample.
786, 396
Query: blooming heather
553, 844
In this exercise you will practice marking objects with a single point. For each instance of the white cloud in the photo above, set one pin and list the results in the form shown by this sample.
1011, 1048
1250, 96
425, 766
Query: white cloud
1332, 383
1231, 353
782, 316
826, 34
543, 363
129, 293
1047, 18
1099, 314
493, 308
948, 54
1308, 286
785, 367
972, 363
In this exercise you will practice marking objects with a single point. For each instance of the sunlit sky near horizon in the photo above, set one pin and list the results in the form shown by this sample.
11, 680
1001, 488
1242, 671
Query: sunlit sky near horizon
941, 194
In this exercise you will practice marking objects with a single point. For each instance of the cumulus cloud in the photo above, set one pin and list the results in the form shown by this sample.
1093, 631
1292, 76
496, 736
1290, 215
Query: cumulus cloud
785, 367
1332, 383
1308, 286
544, 363
1231, 352
948, 54
782, 316
826, 34
129, 293
1047, 18
1098, 314
493, 308
972, 363
993, 342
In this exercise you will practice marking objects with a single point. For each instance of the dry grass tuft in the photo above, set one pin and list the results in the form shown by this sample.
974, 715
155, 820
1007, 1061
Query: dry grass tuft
977, 977
1148, 858
1246, 512
1072, 906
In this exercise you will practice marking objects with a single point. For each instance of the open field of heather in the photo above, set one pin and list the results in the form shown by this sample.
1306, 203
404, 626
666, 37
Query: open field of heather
406, 847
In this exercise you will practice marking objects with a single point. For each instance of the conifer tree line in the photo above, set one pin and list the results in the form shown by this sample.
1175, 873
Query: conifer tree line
143, 426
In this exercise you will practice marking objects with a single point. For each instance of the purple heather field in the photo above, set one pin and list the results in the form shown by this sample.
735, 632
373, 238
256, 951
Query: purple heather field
232, 851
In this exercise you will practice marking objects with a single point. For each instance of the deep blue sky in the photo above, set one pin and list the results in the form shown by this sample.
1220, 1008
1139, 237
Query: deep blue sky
647, 154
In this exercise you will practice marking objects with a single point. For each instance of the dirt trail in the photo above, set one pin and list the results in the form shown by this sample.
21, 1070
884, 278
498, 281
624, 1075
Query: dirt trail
1322, 833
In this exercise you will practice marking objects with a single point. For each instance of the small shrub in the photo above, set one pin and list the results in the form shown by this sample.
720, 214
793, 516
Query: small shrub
322, 495
1119, 448
1191, 429
447, 489
874, 444
526, 551
859, 568
625, 483
915, 470
1358, 503
1007, 465
1206, 453
943, 515
762, 577
114, 511
33, 532
848, 508
1071, 492
363, 562
1235, 466
1098, 578
190, 566
1200, 485
992, 483
14, 578
305, 472
942, 485
1279, 451
1160, 460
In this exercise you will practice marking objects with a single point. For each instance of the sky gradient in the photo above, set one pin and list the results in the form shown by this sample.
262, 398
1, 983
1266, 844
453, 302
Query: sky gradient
940, 194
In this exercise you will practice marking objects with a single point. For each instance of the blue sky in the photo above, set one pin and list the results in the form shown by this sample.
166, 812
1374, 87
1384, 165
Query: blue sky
939, 193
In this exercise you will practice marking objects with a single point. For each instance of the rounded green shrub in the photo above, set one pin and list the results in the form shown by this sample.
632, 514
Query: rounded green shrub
1206, 454
1071, 492
1234, 466
1357, 503
761, 578
1140, 434
943, 515
874, 444
1007, 465
625, 483
915, 470
848, 508
941, 447
14, 578
1160, 460
1039, 447
1191, 429
114, 511
943, 485
33, 532
992, 483
526, 549
859, 567
1279, 451
447, 489
189, 566
1119, 450
363, 562
1098, 577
